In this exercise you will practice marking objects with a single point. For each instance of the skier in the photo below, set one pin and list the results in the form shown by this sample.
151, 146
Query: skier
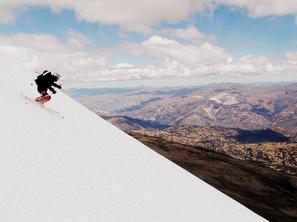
46, 81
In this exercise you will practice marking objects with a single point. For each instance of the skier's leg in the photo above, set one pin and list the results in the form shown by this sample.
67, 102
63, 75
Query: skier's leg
43, 91
40, 89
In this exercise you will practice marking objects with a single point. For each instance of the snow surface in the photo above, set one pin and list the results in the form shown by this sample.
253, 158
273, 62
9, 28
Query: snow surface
74, 166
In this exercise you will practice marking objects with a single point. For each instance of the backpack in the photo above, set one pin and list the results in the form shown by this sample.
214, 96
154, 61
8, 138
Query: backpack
41, 77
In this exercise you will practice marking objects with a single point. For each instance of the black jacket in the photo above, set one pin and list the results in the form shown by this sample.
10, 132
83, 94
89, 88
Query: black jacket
47, 81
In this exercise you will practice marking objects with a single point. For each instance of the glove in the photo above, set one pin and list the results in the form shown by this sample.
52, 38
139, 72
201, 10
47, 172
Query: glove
54, 92
59, 87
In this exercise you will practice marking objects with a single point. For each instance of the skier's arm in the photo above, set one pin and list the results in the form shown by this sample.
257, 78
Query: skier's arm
57, 86
52, 90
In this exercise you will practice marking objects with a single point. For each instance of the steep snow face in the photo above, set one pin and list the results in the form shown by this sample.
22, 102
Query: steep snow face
70, 165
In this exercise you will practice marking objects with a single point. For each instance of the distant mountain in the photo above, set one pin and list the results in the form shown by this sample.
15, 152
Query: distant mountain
244, 106
128, 124
247, 107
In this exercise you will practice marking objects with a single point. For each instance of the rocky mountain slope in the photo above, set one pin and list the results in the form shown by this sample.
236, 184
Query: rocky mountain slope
128, 124
264, 147
266, 191
248, 106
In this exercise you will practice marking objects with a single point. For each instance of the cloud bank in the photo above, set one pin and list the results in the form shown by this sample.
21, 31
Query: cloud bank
77, 59
135, 15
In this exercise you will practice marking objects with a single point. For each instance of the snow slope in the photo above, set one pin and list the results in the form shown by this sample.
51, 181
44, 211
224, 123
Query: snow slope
77, 167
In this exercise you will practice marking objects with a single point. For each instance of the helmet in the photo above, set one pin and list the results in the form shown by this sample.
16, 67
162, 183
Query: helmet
44, 72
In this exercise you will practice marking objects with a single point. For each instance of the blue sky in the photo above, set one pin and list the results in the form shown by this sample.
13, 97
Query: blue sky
241, 34
238, 38
233, 29
42, 20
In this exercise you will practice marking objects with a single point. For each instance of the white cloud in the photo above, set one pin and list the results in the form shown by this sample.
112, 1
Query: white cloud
7, 15
291, 59
253, 67
189, 35
139, 16
77, 60
190, 55
248, 65
259, 8
129, 14
73, 57
207, 60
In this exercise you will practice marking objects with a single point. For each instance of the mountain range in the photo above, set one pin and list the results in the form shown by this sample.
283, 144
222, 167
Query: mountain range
244, 106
